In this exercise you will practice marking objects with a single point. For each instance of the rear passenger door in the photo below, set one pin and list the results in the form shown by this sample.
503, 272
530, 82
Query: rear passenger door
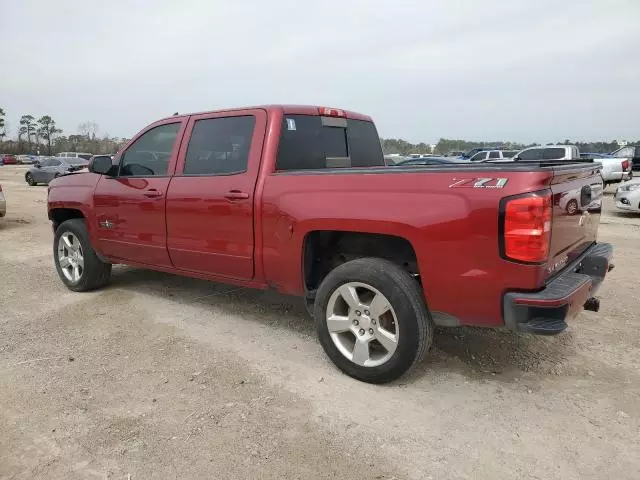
210, 200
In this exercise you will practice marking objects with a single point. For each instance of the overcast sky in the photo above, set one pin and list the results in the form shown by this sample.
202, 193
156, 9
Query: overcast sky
517, 70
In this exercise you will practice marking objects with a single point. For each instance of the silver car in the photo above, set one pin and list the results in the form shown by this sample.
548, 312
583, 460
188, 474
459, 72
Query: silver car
628, 196
51, 168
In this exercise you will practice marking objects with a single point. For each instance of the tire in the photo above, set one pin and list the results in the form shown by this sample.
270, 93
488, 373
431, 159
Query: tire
572, 207
412, 324
29, 179
94, 273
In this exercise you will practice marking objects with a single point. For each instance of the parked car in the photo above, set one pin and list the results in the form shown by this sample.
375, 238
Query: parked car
3, 203
631, 153
25, 159
429, 161
311, 209
51, 168
485, 155
470, 153
614, 170
554, 152
455, 153
628, 196
8, 159
83, 155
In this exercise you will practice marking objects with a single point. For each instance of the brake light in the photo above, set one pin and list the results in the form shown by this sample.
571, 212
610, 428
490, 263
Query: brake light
527, 228
625, 165
331, 112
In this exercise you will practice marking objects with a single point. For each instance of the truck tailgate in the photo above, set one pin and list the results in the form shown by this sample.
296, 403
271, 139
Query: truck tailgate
577, 203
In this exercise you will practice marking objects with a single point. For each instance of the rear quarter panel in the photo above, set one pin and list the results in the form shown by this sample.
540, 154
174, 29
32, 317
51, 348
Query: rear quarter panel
453, 229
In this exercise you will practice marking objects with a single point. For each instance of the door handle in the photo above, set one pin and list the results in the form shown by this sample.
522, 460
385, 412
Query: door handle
152, 193
236, 195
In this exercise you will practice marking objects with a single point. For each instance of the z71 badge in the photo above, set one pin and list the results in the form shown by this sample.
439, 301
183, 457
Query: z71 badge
479, 183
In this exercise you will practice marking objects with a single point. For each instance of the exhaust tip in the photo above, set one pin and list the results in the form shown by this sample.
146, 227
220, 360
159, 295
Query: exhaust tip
592, 304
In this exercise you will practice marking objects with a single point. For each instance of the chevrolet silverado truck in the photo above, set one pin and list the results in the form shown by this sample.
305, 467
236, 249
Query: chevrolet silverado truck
298, 199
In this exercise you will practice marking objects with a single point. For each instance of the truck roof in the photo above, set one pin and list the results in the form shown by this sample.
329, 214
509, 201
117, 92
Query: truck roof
286, 109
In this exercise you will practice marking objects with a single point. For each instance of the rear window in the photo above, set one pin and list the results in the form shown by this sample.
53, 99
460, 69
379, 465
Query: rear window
553, 153
312, 142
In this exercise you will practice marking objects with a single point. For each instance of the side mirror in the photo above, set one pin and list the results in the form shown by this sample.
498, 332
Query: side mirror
37, 165
100, 165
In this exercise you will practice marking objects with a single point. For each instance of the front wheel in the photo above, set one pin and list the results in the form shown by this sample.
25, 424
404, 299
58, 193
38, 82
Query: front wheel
29, 178
76, 261
371, 320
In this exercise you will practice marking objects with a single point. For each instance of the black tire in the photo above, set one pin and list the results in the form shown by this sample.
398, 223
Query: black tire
29, 179
96, 273
405, 296
572, 207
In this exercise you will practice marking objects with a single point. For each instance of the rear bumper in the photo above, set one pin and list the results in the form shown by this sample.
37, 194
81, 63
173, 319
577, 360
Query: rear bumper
546, 311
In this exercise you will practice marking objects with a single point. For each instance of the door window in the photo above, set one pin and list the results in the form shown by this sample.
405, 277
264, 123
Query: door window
553, 153
479, 156
532, 154
494, 154
149, 155
219, 146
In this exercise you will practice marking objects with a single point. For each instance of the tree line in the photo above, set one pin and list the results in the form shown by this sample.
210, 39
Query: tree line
444, 146
43, 137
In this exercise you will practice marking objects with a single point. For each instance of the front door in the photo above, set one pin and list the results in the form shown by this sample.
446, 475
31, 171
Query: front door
130, 206
210, 200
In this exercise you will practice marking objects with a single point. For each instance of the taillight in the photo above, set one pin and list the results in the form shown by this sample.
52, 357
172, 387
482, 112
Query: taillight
625, 165
331, 112
526, 227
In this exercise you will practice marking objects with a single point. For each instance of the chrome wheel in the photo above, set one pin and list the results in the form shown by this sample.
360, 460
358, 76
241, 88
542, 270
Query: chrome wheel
70, 257
362, 324
572, 207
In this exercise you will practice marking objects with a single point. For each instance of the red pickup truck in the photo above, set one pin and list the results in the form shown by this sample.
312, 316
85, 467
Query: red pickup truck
299, 199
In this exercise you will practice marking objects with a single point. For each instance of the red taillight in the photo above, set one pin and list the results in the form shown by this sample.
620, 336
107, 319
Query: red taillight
527, 228
331, 112
625, 165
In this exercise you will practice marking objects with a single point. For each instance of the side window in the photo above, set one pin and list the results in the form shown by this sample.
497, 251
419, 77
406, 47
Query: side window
494, 154
553, 153
479, 156
532, 154
149, 155
54, 163
45, 163
219, 146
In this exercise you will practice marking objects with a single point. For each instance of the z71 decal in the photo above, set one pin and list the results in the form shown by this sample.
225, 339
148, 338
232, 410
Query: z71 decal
479, 183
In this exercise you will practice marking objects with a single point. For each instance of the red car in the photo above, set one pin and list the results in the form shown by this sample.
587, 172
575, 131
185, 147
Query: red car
298, 198
7, 159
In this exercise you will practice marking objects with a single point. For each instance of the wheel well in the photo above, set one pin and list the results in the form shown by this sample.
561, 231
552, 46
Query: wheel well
325, 250
59, 215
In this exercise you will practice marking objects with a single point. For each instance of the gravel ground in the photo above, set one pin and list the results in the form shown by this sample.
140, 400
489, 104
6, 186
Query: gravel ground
163, 377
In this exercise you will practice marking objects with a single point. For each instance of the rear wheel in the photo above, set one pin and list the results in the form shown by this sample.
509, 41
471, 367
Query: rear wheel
29, 178
76, 261
572, 207
371, 320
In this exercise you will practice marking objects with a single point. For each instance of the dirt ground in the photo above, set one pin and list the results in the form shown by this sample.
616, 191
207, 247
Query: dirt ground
163, 377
